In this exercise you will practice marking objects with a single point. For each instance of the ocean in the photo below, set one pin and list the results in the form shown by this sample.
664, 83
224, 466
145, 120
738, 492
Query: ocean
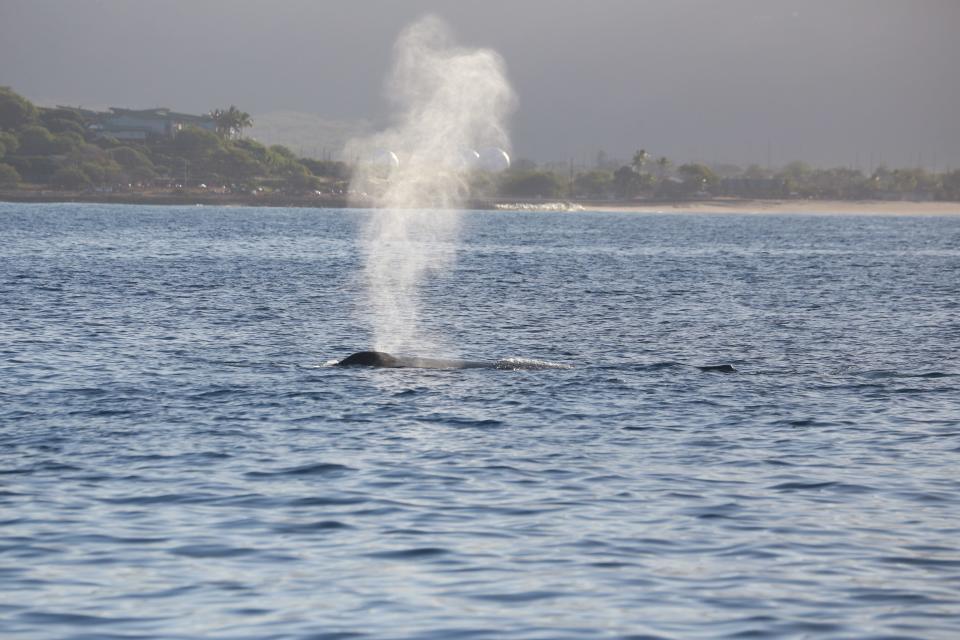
177, 460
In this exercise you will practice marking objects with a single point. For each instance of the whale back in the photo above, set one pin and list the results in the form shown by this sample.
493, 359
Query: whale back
369, 359
381, 359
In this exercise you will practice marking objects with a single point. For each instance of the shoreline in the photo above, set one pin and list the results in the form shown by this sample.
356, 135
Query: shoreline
788, 207
187, 199
714, 206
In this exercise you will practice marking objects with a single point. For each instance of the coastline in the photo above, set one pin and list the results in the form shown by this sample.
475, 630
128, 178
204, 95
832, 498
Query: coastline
186, 199
717, 206
787, 207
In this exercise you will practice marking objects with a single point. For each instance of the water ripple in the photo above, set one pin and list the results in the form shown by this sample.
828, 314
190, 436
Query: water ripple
175, 463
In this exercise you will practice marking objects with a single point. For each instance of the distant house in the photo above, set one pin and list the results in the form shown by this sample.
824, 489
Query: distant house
143, 124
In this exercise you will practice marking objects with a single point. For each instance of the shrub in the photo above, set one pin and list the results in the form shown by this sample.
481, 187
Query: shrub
8, 143
15, 110
35, 141
531, 184
71, 178
134, 163
9, 178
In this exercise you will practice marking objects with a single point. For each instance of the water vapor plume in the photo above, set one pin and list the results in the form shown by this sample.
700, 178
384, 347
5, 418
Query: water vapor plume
448, 101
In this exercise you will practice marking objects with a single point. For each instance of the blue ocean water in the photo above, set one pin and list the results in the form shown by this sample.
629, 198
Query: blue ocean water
176, 461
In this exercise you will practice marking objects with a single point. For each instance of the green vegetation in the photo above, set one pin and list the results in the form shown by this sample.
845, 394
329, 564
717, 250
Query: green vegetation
8, 143
15, 110
660, 179
231, 122
531, 184
9, 178
65, 148
72, 149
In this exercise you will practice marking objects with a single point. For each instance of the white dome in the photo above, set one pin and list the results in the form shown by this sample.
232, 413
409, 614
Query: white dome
494, 159
469, 159
385, 158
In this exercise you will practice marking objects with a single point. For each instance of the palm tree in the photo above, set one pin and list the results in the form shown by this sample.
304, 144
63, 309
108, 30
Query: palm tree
231, 122
663, 165
241, 120
220, 118
639, 159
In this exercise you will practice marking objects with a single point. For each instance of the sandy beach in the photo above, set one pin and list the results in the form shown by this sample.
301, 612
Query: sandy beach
721, 206
774, 207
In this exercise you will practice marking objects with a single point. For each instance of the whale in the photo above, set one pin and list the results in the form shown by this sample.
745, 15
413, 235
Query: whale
389, 361
718, 368
383, 360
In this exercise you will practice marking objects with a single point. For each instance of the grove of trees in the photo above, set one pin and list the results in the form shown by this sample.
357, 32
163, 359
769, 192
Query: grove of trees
661, 179
58, 148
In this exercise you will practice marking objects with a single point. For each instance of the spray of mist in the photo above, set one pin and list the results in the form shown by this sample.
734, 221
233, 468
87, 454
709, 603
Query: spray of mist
448, 100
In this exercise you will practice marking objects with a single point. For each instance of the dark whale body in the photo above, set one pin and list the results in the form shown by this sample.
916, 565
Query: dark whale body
381, 359
719, 368
389, 361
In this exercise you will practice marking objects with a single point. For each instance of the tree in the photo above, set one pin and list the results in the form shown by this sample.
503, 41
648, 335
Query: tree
238, 165
134, 163
796, 177
531, 184
626, 182
196, 151
837, 183
63, 120
601, 159
9, 178
524, 164
196, 143
66, 142
71, 178
593, 183
639, 159
663, 167
97, 165
257, 150
231, 121
950, 186
327, 168
911, 181
697, 177
301, 180
15, 110
8, 143
280, 160
283, 152
36, 141
756, 172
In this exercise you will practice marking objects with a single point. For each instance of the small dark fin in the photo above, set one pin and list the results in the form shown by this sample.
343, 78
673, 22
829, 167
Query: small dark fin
719, 368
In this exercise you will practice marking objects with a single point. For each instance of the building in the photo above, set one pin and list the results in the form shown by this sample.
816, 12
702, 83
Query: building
143, 124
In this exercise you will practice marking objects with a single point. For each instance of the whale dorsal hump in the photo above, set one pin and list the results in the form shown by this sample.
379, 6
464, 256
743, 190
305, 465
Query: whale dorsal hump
369, 359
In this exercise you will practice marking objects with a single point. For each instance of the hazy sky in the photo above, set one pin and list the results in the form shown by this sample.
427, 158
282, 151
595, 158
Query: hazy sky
828, 81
